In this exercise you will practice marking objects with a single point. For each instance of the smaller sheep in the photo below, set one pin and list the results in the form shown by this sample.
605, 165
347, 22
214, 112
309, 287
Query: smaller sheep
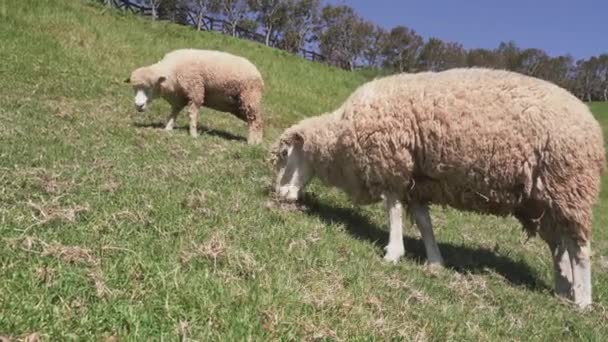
488, 141
195, 78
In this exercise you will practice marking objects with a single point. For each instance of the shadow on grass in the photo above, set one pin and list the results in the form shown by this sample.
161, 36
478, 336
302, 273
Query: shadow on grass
201, 129
459, 258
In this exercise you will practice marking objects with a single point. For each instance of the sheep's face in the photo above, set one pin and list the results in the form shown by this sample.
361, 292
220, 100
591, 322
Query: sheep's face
146, 86
143, 97
293, 170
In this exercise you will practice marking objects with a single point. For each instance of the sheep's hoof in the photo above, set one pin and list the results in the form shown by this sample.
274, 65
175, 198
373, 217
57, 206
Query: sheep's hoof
393, 254
254, 138
168, 129
583, 305
433, 266
194, 134
253, 142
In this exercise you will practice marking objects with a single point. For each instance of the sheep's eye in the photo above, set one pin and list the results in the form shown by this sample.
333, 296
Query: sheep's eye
284, 153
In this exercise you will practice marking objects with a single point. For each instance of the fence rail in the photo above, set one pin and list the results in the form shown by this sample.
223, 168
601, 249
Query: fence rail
215, 24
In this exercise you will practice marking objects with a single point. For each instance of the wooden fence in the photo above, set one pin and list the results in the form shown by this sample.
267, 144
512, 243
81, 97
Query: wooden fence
215, 24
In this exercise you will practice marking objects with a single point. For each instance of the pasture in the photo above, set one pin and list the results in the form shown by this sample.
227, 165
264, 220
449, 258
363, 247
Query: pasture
112, 228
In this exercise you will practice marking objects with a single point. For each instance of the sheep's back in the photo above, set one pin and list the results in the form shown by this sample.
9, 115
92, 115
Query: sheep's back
218, 70
476, 139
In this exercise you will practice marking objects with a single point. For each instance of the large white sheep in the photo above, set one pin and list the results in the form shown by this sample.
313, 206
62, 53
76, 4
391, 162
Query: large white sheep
195, 78
488, 141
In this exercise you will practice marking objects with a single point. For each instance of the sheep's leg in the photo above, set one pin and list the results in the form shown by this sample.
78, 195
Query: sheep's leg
193, 110
395, 248
423, 222
580, 254
562, 268
249, 110
172, 117
255, 133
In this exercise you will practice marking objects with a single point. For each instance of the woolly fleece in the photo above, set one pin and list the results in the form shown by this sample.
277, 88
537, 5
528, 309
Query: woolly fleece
487, 141
214, 79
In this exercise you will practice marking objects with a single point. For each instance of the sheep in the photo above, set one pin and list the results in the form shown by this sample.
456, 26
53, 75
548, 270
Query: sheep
193, 78
488, 141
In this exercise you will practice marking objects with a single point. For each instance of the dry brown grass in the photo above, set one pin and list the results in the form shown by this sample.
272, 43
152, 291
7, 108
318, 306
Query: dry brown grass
182, 330
69, 254
101, 289
51, 211
325, 289
315, 332
33, 337
46, 275
229, 263
213, 249
197, 202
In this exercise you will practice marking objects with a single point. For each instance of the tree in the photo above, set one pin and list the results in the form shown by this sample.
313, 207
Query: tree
532, 60
602, 73
173, 10
233, 12
509, 55
342, 35
437, 55
154, 4
271, 14
483, 58
591, 82
431, 55
249, 24
202, 7
372, 54
586, 78
557, 70
303, 17
455, 55
400, 49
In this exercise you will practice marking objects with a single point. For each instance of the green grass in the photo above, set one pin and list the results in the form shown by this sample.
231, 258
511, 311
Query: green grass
110, 227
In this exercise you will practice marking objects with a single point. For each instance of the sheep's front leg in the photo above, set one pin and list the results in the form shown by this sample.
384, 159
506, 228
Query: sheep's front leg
395, 248
193, 110
580, 261
172, 117
423, 222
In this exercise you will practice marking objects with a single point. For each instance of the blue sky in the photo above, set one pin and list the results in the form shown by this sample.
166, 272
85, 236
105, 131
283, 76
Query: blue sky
578, 27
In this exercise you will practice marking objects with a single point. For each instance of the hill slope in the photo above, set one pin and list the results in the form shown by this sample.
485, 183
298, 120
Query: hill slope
111, 227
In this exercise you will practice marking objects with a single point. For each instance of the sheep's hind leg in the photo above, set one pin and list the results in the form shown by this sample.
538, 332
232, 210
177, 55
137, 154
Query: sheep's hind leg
580, 261
422, 217
249, 111
255, 133
395, 248
193, 110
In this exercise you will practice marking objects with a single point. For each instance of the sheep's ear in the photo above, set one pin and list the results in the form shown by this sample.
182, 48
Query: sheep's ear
127, 80
297, 139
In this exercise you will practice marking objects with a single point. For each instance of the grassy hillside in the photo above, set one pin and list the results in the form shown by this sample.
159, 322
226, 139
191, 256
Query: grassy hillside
111, 227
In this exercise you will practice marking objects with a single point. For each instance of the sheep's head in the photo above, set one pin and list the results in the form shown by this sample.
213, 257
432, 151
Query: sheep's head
146, 83
292, 169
